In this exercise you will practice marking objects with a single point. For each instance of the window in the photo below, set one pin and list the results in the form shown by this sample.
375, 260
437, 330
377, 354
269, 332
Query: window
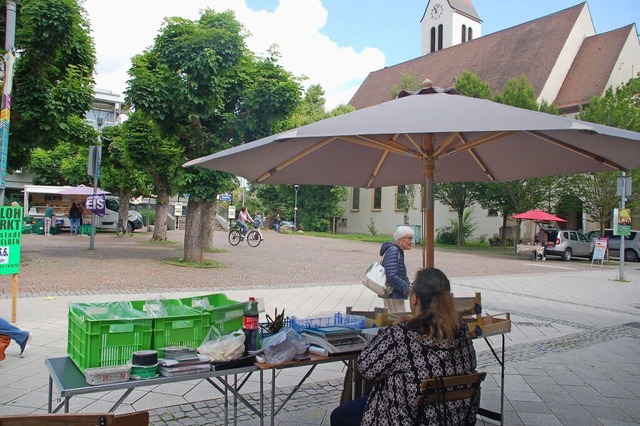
355, 199
433, 39
440, 32
112, 204
400, 190
470, 34
492, 213
377, 199
464, 33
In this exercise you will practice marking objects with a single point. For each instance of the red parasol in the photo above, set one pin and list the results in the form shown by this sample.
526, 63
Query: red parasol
537, 215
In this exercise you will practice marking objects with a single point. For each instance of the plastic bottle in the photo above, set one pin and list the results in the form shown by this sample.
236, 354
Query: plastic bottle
251, 325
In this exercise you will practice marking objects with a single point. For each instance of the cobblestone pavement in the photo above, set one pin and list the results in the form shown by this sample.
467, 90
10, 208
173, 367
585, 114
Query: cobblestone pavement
557, 308
64, 265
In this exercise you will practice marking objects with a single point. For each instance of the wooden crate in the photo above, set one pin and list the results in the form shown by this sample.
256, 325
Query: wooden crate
468, 305
489, 325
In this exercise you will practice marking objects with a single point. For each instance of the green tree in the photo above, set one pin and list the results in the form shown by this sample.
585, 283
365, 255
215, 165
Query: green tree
207, 92
119, 172
65, 164
470, 84
53, 83
157, 160
459, 196
619, 107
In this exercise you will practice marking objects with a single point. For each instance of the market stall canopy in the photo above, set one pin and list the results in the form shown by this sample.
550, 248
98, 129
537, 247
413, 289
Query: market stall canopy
81, 190
430, 137
538, 215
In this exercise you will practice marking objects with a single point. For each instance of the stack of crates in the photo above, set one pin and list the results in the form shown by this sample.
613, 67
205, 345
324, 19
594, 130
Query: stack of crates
106, 334
174, 323
224, 314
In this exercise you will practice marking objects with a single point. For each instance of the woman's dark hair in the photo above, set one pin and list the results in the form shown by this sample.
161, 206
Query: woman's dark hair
438, 318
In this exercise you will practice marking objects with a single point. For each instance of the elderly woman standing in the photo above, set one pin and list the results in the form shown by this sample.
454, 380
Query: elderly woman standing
395, 268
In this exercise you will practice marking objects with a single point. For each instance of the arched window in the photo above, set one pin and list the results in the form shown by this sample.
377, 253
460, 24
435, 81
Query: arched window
440, 31
464, 33
433, 39
470, 35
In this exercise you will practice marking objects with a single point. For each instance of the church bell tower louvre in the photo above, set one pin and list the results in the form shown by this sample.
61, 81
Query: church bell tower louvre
446, 23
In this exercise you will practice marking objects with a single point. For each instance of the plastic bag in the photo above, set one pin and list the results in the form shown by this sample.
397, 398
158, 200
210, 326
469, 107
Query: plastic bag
222, 348
283, 346
155, 307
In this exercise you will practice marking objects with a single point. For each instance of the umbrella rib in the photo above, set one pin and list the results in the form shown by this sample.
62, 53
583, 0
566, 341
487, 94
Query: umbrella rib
578, 151
447, 141
468, 145
377, 169
390, 146
295, 158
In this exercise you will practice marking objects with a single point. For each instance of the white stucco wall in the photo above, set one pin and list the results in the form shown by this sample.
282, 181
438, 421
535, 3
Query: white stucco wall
388, 218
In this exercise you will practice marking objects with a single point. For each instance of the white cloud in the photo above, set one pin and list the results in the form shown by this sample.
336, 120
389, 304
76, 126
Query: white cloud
122, 29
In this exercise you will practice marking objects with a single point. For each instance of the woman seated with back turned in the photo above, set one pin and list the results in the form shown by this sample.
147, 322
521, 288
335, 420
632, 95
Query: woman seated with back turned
435, 343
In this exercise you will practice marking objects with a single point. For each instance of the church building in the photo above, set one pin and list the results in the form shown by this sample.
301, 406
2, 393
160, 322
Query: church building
560, 55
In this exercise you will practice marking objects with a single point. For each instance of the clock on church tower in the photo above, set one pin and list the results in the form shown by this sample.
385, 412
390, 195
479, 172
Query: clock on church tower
436, 11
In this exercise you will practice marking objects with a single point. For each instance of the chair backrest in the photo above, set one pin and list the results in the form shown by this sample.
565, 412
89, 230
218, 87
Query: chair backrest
439, 390
140, 418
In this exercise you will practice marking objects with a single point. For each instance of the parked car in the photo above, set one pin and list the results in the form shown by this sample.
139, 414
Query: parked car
286, 225
631, 244
568, 244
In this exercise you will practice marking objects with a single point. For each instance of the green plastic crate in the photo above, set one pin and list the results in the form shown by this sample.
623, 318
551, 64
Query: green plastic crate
106, 334
224, 314
86, 230
174, 324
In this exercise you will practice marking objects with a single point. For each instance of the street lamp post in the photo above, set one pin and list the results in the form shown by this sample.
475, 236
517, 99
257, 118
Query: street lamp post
295, 208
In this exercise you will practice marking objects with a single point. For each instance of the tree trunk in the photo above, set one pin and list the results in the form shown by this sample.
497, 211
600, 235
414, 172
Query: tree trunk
193, 231
503, 237
459, 237
160, 226
123, 209
208, 218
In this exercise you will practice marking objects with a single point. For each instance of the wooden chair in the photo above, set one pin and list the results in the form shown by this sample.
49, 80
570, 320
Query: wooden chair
439, 390
140, 418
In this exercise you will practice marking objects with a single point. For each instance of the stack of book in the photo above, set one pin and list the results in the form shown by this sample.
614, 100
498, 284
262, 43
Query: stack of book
181, 360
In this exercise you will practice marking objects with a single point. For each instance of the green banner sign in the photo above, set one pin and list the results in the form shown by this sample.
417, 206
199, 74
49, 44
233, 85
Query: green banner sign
10, 239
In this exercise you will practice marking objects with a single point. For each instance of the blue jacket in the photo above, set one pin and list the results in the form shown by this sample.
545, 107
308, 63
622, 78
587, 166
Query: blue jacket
395, 270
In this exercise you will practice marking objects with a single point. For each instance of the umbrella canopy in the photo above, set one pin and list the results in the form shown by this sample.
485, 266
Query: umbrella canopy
538, 215
427, 138
81, 190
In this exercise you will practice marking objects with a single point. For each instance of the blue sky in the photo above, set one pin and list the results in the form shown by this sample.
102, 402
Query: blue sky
394, 25
335, 43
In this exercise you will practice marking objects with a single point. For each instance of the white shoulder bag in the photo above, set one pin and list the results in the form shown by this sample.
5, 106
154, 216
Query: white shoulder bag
375, 279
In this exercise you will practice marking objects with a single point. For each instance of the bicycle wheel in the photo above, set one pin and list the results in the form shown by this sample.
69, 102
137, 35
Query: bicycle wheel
120, 230
253, 238
234, 237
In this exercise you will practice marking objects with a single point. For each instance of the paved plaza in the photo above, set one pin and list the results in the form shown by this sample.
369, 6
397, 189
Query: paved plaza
572, 358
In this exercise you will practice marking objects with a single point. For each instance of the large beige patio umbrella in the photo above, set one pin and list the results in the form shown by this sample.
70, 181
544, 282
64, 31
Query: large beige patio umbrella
426, 138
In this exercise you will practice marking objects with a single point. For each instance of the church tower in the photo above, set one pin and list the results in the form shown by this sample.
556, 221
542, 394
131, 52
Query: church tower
446, 23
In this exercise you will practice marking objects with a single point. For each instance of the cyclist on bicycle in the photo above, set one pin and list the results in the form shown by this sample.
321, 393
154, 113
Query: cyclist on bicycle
243, 217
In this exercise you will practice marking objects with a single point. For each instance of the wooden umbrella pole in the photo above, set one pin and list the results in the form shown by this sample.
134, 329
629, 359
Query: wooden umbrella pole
428, 167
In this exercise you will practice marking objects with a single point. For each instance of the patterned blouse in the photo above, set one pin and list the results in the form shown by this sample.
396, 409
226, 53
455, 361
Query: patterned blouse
398, 359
